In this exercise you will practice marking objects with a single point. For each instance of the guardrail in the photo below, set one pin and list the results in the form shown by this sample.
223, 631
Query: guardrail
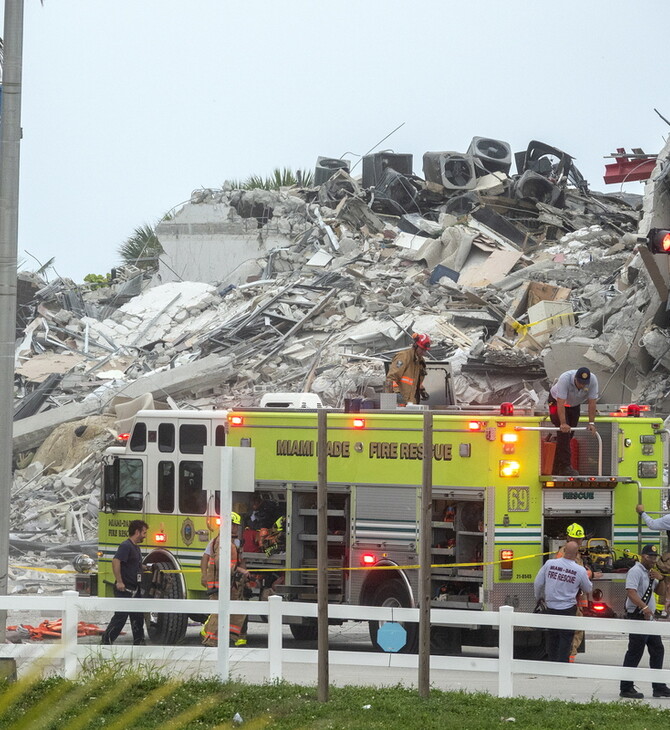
71, 606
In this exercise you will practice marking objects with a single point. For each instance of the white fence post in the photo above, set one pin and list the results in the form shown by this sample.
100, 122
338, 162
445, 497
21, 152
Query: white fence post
69, 625
275, 637
505, 651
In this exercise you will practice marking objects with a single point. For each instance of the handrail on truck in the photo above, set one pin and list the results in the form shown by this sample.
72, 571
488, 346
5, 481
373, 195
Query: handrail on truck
580, 428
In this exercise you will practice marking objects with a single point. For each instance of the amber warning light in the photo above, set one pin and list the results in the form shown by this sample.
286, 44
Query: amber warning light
509, 468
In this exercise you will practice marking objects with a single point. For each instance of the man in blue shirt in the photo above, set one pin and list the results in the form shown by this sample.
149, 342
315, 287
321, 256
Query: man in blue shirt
127, 568
566, 395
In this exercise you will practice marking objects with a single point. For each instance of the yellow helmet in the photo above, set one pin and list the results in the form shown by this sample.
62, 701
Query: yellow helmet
575, 530
237, 520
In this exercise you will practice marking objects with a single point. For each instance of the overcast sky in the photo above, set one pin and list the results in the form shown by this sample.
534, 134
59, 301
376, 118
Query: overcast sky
129, 105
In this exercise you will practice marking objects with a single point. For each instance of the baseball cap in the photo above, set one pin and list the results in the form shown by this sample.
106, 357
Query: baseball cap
583, 375
650, 550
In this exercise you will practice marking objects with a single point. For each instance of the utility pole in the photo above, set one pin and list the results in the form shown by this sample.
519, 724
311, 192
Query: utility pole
10, 141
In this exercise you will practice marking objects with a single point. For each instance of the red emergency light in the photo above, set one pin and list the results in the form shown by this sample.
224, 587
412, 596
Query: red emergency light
160, 537
474, 426
506, 409
633, 411
368, 559
359, 423
598, 607
123, 437
236, 420
658, 240
506, 564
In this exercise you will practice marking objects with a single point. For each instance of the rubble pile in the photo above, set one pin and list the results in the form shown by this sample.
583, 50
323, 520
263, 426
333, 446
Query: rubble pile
515, 277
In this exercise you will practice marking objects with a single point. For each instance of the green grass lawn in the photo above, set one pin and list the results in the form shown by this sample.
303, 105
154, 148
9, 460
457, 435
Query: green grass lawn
114, 698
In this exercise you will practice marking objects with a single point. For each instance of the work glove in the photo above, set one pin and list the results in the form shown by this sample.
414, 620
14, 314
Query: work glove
424, 394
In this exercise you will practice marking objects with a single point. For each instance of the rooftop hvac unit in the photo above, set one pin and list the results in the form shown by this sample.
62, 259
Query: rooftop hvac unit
452, 170
374, 166
494, 154
536, 186
394, 194
326, 167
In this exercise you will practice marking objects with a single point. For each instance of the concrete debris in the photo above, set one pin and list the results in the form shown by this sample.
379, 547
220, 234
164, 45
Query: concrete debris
515, 276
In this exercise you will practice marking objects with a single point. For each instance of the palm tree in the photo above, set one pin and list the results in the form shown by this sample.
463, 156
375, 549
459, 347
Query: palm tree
280, 178
142, 248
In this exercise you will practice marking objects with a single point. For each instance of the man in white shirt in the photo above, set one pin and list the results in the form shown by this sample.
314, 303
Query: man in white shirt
558, 582
566, 395
641, 580
662, 523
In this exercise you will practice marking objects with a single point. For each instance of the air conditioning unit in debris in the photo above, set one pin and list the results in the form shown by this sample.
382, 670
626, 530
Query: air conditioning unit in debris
493, 154
375, 165
452, 170
326, 167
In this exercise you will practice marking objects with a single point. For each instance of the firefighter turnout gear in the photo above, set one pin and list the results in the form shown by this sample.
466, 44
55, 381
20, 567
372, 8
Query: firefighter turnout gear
406, 374
238, 622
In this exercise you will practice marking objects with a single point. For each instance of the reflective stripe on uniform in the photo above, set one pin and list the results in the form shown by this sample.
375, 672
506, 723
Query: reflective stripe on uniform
405, 379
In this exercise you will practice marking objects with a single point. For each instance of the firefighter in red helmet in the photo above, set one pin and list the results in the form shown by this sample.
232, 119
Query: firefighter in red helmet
408, 370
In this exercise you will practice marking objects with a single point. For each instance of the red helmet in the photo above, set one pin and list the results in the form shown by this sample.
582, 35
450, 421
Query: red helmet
422, 341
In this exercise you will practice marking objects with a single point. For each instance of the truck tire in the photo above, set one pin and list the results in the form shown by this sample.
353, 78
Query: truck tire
166, 628
304, 632
530, 645
394, 594
446, 640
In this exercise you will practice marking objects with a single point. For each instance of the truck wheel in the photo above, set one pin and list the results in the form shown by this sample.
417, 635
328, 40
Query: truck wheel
304, 632
394, 594
446, 640
166, 628
531, 646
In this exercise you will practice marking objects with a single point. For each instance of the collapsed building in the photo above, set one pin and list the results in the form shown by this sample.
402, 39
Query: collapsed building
516, 277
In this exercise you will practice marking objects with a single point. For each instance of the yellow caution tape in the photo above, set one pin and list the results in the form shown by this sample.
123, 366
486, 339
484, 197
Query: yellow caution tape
41, 570
524, 329
280, 569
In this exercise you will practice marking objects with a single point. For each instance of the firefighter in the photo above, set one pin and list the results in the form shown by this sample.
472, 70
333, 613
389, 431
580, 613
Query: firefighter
566, 395
576, 534
273, 540
408, 370
238, 577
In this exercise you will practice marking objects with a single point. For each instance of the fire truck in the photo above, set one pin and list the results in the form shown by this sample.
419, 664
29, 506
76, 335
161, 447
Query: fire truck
497, 511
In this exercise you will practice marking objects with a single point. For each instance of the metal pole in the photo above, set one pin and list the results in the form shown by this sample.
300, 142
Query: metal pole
425, 534
322, 553
10, 139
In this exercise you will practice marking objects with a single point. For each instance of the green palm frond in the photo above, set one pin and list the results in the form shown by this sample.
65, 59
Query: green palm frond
280, 178
142, 248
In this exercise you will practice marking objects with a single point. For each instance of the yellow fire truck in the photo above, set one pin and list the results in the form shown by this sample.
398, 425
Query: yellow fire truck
495, 514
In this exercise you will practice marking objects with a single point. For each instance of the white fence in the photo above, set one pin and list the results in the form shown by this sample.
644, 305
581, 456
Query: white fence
72, 653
